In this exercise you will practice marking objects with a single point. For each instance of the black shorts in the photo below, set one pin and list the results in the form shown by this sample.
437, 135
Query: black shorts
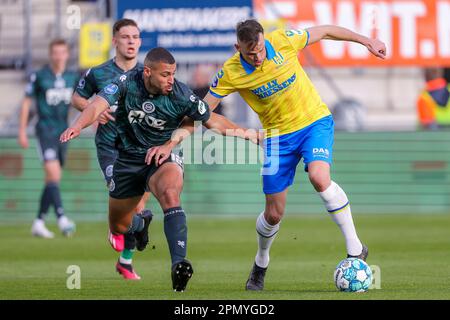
50, 148
107, 156
131, 175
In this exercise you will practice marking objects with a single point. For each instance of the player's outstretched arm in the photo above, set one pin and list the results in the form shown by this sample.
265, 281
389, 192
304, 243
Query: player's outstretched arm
80, 103
225, 126
87, 117
23, 122
330, 32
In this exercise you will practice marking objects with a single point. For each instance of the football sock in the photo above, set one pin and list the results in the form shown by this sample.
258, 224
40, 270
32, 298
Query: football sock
46, 200
137, 224
55, 194
265, 234
175, 229
126, 257
338, 207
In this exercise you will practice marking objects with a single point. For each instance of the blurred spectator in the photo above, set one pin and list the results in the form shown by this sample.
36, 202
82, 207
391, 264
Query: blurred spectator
201, 81
433, 104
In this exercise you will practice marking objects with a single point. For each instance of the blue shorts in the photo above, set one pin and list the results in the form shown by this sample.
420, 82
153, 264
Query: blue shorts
283, 153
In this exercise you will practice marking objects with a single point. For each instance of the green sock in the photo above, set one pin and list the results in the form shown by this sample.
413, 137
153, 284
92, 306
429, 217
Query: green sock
126, 256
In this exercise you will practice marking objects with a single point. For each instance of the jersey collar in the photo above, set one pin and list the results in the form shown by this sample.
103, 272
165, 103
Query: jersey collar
270, 54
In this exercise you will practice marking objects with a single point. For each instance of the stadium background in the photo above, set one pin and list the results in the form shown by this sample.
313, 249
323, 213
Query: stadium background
386, 164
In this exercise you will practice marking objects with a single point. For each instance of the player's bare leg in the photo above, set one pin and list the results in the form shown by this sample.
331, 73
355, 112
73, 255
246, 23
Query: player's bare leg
166, 185
122, 220
338, 206
141, 205
267, 226
124, 264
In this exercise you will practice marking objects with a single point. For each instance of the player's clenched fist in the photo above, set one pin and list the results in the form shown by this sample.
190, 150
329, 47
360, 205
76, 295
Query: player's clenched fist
69, 134
377, 48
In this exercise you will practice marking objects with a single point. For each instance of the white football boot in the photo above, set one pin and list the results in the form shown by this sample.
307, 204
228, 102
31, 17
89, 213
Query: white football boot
39, 229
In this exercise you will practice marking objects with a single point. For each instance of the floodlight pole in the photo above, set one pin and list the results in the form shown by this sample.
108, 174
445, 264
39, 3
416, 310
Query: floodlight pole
27, 37
58, 18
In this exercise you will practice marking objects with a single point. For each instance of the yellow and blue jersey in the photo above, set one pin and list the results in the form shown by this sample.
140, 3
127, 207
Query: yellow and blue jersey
279, 90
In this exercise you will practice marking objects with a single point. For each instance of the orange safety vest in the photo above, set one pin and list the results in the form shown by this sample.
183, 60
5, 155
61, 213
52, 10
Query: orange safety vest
428, 110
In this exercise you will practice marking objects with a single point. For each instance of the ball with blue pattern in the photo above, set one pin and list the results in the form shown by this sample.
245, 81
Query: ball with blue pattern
353, 275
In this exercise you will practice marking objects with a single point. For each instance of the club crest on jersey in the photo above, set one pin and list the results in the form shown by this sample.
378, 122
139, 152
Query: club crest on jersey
278, 59
148, 107
111, 88
109, 170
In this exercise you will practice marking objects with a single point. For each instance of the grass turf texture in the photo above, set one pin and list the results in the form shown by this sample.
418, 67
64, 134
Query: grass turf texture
412, 252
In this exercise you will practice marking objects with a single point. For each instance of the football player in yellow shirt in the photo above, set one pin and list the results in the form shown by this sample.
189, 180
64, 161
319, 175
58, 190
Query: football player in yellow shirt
266, 72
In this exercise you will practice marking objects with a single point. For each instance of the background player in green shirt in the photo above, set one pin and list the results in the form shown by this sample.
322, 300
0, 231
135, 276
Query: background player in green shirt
126, 40
51, 87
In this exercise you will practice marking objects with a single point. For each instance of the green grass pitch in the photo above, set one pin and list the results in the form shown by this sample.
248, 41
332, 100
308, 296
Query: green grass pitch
411, 251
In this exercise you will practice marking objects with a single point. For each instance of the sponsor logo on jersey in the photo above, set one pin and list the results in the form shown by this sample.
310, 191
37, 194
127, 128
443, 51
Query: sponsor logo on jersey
137, 116
177, 159
111, 88
201, 107
114, 107
218, 76
55, 96
81, 83
112, 185
148, 107
291, 33
273, 87
321, 152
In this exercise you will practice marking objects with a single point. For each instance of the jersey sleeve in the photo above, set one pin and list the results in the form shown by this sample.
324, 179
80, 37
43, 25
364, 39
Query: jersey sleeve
194, 107
86, 87
221, 85
198, 110
298, 38
30, 89
114, 91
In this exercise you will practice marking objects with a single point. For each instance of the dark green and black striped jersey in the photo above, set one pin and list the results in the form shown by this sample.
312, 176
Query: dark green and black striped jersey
52, 93
144, 120
93, 81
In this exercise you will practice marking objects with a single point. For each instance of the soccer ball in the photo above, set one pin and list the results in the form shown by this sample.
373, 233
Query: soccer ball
353, 275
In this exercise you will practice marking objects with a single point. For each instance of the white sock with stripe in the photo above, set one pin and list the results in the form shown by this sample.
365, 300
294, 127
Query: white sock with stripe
266, 234
338, 207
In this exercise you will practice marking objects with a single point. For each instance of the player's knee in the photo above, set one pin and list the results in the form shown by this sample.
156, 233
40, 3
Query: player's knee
170, 197
320, 180
118, 228
140, 206
274, 214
